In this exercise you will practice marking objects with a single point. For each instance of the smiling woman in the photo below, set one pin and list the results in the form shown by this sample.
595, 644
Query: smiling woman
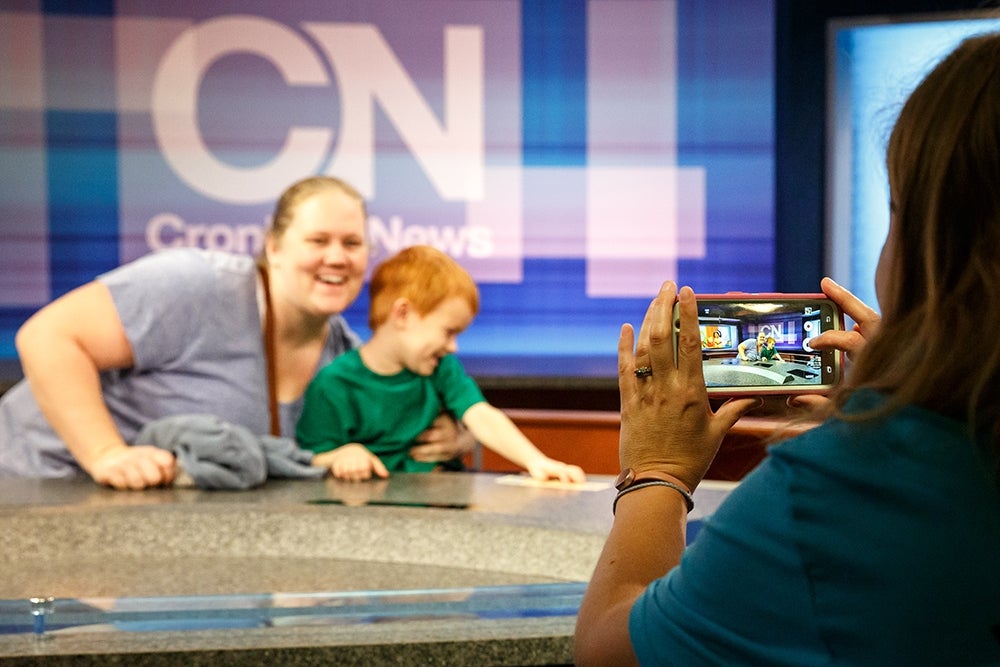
314, 260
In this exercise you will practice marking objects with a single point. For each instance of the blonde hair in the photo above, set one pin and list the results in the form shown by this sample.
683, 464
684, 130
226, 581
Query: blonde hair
424, 276
943, 161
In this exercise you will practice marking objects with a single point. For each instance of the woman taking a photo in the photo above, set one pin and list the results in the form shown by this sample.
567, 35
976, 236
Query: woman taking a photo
873, 538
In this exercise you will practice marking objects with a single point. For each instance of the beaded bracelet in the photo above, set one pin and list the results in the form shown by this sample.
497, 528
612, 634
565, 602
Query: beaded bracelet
642, 484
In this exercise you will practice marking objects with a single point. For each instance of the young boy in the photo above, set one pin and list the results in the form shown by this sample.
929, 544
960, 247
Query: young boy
769, 353
363, 411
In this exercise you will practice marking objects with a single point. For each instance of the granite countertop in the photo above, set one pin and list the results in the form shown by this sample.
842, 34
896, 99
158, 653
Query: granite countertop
454, 539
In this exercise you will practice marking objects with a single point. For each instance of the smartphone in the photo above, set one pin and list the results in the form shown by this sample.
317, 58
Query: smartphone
756, 344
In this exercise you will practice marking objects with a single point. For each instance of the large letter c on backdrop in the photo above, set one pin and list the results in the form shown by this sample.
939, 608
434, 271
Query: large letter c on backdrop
175, 108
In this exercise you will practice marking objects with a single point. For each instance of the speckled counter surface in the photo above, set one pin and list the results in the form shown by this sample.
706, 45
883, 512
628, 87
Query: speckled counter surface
446, 532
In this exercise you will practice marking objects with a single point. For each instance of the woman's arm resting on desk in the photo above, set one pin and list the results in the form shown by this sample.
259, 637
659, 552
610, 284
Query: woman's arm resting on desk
63, 347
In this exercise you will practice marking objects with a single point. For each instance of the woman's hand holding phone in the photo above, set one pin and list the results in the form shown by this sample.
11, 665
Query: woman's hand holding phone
867, 321
667, 422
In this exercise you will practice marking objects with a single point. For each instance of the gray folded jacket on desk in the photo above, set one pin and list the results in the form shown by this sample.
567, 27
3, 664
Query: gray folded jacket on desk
215, 454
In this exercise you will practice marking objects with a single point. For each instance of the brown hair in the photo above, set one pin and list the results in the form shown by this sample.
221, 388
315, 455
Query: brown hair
943, 162
424, 276
298, 192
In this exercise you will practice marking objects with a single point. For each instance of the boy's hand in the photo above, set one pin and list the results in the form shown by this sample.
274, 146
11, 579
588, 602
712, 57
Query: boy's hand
352, 462
546, 468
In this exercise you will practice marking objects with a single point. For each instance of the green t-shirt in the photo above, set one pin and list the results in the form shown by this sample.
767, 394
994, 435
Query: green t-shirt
346, 402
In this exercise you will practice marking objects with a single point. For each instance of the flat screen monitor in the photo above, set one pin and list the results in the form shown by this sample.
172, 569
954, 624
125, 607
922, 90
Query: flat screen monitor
874, 64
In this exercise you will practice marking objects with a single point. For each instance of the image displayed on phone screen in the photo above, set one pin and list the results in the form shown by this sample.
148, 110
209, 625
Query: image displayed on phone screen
765, 344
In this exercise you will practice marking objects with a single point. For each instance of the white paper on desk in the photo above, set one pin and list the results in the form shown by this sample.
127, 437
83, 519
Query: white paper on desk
525, 480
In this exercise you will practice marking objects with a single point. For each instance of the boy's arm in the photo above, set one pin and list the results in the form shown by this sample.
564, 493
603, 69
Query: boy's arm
495, 430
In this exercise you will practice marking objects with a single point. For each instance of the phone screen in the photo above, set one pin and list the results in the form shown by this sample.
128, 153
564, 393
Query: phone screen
761, 345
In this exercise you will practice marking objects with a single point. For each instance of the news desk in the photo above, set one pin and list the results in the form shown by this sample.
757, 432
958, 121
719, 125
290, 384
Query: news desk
444, 568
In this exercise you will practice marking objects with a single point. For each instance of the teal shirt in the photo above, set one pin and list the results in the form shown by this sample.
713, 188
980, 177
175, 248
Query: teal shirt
856, 543
347, 402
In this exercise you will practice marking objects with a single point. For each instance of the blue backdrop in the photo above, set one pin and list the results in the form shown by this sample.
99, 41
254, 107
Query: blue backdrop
572, 155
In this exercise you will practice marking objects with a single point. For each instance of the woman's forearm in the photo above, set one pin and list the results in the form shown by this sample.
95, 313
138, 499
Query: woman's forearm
646, 541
